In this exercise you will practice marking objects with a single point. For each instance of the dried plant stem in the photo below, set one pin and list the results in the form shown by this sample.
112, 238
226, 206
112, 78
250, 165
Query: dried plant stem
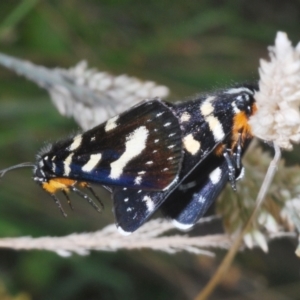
150, 236
83, 243
227, 261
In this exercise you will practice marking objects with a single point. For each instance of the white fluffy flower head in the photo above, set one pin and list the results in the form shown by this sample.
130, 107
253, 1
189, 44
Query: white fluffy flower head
278, 99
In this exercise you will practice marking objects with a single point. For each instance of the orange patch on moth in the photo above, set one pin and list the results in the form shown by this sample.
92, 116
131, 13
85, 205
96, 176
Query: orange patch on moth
58, 184
83, 184
241, 127
219, 150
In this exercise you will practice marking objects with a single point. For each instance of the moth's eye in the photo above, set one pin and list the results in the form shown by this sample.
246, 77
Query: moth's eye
243, 102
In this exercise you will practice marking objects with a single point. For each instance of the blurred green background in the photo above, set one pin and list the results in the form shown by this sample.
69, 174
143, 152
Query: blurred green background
190, 46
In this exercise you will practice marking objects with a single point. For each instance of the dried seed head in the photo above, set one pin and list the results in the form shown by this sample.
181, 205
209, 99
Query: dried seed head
278, 99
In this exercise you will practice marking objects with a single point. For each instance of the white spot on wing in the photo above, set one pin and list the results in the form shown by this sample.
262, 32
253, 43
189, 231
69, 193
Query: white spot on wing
123, 232
67, 163
135, 144
214, 124
167, 124
216, 128
181, 226
201, 199
190, 144
215, 175
138, 180
185, 117
111, 123
91, 164
149, 203
206, 108
76, 143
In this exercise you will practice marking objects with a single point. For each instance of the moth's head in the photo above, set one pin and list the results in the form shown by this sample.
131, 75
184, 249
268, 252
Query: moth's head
41, 172
244, 100
244, 106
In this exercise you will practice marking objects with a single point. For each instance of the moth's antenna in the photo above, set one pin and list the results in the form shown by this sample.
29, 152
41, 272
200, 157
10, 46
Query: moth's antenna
22, 165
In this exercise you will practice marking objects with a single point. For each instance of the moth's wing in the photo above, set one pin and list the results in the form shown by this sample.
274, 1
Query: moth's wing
210, 120
141, 148
185, 205
188, 203
133, 207
206, 123
191, 200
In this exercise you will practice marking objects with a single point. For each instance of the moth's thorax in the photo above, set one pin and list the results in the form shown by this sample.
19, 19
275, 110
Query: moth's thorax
216, 119
241, 129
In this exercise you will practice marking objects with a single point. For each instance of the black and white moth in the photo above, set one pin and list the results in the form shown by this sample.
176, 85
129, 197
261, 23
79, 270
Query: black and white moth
140, 149
180, 154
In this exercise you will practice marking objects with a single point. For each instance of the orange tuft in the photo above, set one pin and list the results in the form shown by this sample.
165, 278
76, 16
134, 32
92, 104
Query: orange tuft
241, 126
83, 184
58, 184
219, 150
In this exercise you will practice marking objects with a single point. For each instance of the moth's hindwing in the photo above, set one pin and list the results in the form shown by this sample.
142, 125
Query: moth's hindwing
191, 200
185, 205
133, 207
140, 148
